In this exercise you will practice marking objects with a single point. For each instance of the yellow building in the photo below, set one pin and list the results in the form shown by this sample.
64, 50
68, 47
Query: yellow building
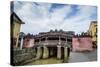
93, 31
15, 29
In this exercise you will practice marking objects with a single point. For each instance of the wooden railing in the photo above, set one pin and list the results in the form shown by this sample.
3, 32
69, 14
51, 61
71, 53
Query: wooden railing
50, 42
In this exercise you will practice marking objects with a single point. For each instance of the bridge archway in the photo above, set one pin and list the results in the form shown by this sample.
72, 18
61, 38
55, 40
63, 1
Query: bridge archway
52, 51
59, 52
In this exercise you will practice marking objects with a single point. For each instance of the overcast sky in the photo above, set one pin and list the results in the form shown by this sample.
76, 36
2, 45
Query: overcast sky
41, 17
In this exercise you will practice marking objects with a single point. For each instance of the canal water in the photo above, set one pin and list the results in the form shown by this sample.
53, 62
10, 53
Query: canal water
46, 61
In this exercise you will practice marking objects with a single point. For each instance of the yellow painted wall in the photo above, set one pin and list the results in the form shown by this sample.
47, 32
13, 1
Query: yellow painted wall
16, 29
16, 32
92, 31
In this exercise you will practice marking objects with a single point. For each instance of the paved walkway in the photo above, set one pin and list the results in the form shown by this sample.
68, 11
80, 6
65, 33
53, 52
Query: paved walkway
83, 57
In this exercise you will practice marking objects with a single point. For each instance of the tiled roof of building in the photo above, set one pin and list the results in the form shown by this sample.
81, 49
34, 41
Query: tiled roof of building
14, 14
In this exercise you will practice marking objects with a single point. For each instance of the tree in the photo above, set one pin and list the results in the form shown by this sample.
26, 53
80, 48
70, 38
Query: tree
21, 34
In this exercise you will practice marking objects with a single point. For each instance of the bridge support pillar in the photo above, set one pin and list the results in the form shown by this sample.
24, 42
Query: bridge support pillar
65, 53
58, 52
45, 52
39, 53
51, 52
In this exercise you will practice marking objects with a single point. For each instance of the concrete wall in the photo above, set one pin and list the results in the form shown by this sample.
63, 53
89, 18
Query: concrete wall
23, 56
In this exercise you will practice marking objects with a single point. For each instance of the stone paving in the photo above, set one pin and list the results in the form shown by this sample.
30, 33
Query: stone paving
83, 57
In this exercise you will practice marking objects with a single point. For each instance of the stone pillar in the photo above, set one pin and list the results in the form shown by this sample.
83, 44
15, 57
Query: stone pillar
46, 41
66, 40
17, 41
21, 45
58, 52
65, 53
59, 41
39, 41
39, 53
45, 52
51, 52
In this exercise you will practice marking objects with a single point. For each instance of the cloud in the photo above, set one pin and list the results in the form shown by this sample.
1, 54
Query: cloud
41, 17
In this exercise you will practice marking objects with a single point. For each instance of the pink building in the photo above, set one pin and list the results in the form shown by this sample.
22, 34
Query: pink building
82, 43
28, 42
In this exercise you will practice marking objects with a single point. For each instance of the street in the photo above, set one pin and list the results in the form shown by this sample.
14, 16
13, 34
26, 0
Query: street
83, 57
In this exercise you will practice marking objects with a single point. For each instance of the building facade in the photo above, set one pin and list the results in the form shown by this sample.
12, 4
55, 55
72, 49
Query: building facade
82, 43
53, 38
28, 41
93, 32
15, 28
